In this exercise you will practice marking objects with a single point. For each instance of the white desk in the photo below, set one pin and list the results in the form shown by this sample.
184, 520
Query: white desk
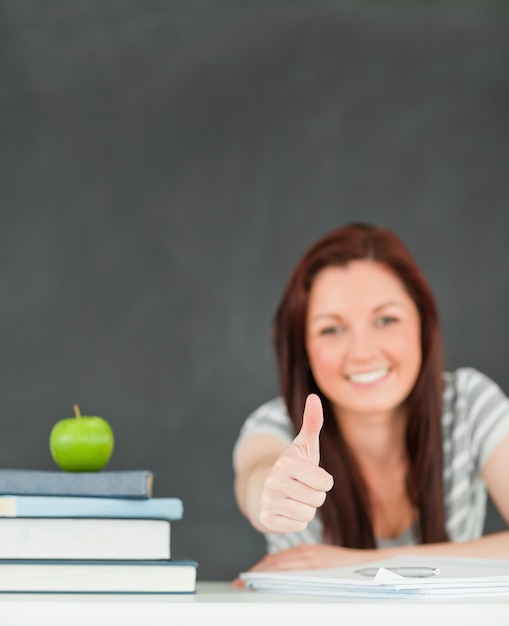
219, 603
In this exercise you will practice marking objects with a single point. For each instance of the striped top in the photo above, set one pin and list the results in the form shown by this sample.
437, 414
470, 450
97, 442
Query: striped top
475, 420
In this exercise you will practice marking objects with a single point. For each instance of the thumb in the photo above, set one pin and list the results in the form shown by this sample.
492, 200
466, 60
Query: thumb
312, 422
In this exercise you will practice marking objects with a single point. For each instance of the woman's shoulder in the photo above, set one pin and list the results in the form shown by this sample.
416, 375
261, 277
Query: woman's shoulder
467, 383
274, 409
475, 412
270, 418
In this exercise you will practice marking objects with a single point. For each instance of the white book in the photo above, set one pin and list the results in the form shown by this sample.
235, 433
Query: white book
84, 538
97, 576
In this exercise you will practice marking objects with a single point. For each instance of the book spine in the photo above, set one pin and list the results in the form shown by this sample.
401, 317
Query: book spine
68, 506
121, 484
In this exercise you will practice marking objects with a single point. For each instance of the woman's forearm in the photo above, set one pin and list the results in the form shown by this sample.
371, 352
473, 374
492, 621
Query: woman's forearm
493, 546
248, 492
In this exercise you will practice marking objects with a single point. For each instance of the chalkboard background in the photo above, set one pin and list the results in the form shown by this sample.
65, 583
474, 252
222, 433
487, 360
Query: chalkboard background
163, 164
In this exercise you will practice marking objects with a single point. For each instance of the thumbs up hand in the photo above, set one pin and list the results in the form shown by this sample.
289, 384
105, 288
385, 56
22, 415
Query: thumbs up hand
296, 486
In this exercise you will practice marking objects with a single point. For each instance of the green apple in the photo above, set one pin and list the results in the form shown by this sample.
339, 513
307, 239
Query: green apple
81, 443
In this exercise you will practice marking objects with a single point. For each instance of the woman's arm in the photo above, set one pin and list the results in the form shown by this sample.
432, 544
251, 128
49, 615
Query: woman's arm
255, 458
495, 473
306, 556
493, 546
278, 487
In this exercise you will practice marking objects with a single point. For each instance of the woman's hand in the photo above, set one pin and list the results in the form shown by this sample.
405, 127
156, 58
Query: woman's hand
296, 486
310, 556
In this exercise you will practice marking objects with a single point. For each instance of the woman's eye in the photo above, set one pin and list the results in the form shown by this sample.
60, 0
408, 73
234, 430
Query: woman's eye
332, 330
387, 320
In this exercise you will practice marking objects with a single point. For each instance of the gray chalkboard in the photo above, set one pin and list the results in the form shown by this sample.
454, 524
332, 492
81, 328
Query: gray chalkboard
162, 166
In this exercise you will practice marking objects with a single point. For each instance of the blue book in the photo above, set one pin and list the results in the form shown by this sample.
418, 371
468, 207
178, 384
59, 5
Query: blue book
112, 484
74, 506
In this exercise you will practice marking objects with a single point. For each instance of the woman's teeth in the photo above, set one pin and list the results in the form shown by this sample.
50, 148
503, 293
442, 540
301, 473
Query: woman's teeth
368, 377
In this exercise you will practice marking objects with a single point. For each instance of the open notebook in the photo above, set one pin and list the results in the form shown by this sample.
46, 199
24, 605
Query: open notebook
433, 577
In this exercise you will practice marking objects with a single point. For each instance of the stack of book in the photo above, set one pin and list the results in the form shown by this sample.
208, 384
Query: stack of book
88, 532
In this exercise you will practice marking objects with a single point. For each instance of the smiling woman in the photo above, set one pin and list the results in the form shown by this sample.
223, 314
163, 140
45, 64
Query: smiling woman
362, 340
370, 432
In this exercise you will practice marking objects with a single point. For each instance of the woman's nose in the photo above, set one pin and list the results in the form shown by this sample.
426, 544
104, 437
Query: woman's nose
362, 344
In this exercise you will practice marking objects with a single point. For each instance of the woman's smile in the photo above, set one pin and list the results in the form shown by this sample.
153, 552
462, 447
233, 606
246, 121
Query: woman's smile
369, 377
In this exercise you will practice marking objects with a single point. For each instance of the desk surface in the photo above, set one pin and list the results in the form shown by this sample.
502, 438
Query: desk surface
219, 603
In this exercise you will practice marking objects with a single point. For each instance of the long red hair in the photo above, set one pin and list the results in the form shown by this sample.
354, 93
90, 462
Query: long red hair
346, 513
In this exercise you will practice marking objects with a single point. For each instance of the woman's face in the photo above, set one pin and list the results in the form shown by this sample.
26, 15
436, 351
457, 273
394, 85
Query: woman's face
363, 338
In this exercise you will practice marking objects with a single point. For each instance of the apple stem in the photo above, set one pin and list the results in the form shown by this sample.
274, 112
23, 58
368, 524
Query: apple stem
77, 410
